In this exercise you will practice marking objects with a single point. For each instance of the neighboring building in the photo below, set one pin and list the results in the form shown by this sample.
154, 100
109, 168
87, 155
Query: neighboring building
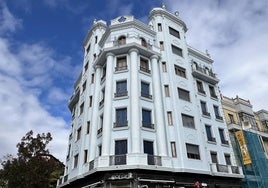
253, 153
146, 110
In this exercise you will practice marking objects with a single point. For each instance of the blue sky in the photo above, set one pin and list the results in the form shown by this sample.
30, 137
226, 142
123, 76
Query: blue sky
41, 55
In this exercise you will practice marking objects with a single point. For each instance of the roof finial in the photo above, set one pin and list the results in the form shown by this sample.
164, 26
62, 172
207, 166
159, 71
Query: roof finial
163, 6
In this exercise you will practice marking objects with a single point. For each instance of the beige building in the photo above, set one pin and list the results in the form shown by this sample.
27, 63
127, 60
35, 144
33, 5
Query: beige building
239, 115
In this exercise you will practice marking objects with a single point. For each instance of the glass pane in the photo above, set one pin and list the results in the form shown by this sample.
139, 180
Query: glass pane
120, 147
148, 147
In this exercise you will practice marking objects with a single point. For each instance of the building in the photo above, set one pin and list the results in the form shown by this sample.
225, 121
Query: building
252, 128
146, 110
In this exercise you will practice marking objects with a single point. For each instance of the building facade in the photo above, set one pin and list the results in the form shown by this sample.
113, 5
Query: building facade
252, 128
146, 111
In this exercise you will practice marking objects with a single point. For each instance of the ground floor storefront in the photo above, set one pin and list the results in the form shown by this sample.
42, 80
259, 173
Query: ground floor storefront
152, 179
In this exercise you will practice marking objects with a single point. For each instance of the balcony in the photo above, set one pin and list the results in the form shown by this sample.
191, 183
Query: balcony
146, 95
99, 131
222, 168
91, 165
204, 74
145, 69
212, 139
74, 99
219, 117
118, 159
226, 169
120, 68
154, 160
101, 102
206, 113
121, 94
201, 91
148, 125
120, 124
225, 142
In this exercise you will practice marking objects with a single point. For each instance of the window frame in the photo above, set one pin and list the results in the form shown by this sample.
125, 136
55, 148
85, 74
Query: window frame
193, 154
184, 94
188, 119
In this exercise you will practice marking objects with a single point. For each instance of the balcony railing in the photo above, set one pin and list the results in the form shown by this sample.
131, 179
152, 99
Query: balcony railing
118, 159
91, 165
222, 168
148, 125
145, 69
99, 131
206, 113
225, 142
235, 170
120, 124
101, 103
219, 117
154, 160
202, 91
146, 95
120, 94
214, 96
212, 139
120, 68
204, 74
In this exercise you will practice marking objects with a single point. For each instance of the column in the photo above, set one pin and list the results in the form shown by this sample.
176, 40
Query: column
134, 101
158, 108
95, 114
107, 114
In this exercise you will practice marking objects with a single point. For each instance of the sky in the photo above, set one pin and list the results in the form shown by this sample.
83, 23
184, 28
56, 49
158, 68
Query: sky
41, 55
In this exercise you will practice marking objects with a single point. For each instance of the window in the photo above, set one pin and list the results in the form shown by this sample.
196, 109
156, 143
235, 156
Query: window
209, 134
217, 113
164, 67
69, 150
214, 158
88, 127
144, 65
180, 71
121, 63
222, 136
176, 50
147, 119
100, 125
75, 161
94, 56
84, 86
78, 133
121, 40
212, 92
99, 149
161, 43
174, 32
90, 101
169, 115
121, 88
192, 151
159, 26
86, 66
145, 90
167, 91
184, 94
120, 152
231, 118
188, 121
204, 108
200, 88
143, 42
148, 147
92, 78
81, 108
96, 39
121, 117
173, 149
101, 103
103, 73
227, 159
88, 48
85, 156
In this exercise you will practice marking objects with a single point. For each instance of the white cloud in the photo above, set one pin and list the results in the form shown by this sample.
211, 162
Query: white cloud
235, 34
29, 75
8, 22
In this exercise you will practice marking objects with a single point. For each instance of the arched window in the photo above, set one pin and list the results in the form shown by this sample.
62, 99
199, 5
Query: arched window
121, 40
143, 42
